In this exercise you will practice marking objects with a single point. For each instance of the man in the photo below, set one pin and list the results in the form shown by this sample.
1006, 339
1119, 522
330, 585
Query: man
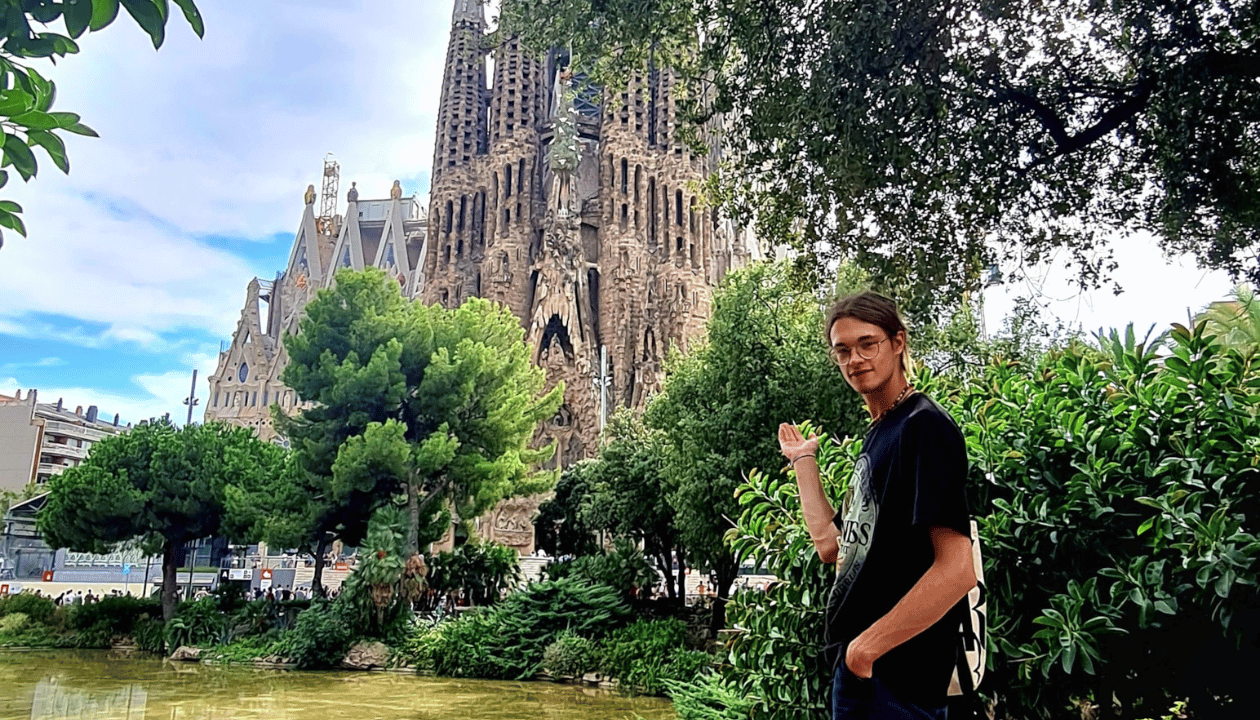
902, 540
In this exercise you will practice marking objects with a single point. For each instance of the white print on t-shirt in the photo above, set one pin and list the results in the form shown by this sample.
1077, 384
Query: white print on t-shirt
858, 528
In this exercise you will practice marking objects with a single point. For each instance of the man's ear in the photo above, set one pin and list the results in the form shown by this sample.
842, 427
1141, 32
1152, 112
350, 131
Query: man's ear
899, 342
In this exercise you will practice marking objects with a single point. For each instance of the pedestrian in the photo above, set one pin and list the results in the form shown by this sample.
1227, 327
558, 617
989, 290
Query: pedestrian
902, 538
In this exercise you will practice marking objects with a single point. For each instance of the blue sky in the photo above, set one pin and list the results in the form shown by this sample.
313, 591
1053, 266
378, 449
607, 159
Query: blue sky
137, 262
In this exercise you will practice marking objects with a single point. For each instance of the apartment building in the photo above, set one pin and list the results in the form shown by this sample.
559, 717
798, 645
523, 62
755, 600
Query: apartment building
39, 440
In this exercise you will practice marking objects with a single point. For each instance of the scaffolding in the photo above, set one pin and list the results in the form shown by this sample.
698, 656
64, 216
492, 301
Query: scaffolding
328, 201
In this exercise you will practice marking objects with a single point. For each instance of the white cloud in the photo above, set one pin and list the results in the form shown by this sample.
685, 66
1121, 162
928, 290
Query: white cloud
213, 137
42, 362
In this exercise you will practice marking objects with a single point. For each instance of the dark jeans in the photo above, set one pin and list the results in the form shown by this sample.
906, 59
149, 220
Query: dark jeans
855, 698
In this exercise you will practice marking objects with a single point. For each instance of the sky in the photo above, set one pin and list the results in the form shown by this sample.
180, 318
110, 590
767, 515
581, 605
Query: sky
136, 264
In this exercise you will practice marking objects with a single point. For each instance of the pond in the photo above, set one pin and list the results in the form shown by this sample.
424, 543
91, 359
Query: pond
100, 685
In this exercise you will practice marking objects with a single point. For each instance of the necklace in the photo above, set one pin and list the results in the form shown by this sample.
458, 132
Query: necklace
904, 394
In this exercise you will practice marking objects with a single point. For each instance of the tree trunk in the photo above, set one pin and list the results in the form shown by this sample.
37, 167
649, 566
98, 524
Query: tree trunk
413, 517
682, 576
723, 576
169, 581
317, 582
664, 562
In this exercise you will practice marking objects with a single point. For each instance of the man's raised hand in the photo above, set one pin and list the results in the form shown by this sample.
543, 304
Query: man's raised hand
793, 444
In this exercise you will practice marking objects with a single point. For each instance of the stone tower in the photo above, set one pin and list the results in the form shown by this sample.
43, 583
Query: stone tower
578, 209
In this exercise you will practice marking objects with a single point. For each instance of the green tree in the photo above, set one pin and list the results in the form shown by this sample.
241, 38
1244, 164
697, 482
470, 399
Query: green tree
417, 400
1236, 322
927, 138
26, 96
163, 484
629, 495
296, 509
561, 528
380, 591
764, 363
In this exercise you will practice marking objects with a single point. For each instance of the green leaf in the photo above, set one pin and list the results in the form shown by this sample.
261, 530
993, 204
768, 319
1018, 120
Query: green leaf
149, 18
15, 100
193, 16
64, 119
21, 157
45, 91
55, 148
81, 129
103, 13
10, 206
13, 222
78, 15
35, 120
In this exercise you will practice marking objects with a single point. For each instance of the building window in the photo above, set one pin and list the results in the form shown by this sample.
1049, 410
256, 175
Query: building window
242, 373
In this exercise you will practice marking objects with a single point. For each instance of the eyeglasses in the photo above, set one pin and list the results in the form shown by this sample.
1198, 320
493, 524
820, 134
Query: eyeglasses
866, 349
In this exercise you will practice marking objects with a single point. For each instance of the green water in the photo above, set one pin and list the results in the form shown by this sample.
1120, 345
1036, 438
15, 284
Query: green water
99, 684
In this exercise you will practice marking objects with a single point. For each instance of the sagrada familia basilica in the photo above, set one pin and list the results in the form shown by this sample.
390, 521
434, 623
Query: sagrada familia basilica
576, 207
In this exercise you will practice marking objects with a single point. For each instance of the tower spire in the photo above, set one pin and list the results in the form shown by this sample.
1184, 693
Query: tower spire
461, 130
468, 11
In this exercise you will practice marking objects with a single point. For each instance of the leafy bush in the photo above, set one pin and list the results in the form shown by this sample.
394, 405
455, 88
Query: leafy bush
530, 620
117, 614
625, 568
196, 623
483, 570
37, 608
14, 623
32, 635
263, 616
508, 640
707, 697
571, 655
1117, 495
149, 634
463, 647
247, 649
644, 655
321, 636
775, 664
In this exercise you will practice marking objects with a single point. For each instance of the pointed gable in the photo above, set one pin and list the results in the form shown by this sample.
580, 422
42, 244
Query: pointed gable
304, 259
391, 255
348, 252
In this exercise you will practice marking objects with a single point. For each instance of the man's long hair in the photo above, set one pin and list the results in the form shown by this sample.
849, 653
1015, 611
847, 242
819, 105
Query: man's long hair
869, 306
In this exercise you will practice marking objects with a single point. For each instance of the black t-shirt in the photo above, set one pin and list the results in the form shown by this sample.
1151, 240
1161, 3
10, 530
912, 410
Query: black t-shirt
910, 477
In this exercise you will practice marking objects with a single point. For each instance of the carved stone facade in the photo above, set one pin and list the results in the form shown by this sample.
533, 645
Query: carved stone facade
578, 209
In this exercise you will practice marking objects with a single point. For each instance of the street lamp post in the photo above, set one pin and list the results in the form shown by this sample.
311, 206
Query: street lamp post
191, 401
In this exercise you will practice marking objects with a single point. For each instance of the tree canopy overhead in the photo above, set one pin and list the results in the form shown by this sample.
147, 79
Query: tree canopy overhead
926, 138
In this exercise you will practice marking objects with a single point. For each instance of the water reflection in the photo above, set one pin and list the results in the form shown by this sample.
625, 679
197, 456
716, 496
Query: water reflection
99, 685
54, 701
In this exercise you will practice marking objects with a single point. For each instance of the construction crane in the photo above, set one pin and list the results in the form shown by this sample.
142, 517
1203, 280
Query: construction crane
328, 204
